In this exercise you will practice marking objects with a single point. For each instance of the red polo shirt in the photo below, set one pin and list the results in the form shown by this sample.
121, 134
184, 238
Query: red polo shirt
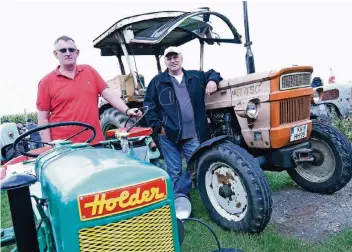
72, 100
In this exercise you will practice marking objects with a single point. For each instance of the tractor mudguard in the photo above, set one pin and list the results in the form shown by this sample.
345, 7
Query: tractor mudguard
201, 148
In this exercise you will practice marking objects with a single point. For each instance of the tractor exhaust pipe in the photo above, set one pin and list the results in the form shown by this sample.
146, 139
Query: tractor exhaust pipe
17, 187
249, 54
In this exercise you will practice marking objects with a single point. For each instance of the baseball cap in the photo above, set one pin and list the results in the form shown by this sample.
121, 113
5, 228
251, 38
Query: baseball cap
172, 49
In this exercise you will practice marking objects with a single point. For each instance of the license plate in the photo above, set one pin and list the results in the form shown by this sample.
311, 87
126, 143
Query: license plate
299, 132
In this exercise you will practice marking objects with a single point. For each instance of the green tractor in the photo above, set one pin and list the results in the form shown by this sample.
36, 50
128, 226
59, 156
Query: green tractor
101, 197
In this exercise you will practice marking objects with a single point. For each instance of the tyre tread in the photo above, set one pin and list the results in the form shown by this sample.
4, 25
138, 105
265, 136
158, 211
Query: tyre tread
262, 201
344, 148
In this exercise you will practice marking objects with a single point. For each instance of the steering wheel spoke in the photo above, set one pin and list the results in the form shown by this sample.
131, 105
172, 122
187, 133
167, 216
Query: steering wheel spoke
79, 132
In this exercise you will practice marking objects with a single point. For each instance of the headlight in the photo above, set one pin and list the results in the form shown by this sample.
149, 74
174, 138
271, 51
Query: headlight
251, 110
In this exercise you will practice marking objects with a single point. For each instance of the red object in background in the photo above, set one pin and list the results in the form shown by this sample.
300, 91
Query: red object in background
332, 77
134, 132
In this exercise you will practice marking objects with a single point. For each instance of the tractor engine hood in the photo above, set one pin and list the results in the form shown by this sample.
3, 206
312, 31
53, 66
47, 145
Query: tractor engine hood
77, 182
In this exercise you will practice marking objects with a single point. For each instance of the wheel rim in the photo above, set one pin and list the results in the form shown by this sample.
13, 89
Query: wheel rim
322, 172
226, 191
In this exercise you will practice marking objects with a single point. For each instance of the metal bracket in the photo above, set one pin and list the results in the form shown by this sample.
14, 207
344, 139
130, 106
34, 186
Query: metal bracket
303, 155
128, 59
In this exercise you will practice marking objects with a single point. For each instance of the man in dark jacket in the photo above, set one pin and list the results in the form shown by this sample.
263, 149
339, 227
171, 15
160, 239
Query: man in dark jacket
34, 136
177, 114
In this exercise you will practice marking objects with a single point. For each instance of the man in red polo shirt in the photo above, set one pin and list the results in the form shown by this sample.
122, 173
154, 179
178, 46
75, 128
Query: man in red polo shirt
70, 93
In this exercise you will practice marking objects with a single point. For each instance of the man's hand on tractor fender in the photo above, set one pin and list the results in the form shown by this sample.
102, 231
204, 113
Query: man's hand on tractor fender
211, 87
133, 112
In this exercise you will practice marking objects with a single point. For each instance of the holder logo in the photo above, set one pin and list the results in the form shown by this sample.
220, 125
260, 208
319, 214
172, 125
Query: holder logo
102, 204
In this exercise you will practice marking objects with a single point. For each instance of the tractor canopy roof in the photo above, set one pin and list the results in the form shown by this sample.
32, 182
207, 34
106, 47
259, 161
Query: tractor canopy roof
152, 33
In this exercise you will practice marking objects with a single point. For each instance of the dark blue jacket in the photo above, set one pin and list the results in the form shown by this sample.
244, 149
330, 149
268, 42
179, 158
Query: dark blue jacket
164, 109
34, 136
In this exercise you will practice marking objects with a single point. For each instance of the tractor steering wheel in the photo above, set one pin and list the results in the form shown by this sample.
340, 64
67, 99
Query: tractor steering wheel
48, 126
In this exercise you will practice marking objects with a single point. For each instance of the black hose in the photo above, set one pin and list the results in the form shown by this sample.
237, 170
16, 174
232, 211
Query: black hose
211, 230
147, 108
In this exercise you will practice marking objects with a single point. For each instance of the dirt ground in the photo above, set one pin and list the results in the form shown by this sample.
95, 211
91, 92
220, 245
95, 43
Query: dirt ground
310, 216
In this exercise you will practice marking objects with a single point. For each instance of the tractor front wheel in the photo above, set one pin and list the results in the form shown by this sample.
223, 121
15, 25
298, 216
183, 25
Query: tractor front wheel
331, 169
233, 188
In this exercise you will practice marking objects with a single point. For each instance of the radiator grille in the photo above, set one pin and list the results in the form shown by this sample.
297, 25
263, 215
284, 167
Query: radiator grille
148, 232
295, 80
295, 109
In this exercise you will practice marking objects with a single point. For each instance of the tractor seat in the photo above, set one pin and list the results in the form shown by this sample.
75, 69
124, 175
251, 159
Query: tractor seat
134, 132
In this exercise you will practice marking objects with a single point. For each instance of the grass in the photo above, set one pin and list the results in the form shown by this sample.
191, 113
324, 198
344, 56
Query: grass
5, 211
279, 180
5, 217
198, 238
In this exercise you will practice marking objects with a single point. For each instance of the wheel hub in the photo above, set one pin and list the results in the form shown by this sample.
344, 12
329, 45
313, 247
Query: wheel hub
226, 191
318, 158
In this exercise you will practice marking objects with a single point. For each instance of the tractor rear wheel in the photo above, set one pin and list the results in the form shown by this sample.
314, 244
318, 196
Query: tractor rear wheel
114, 119
331, 169
233, 188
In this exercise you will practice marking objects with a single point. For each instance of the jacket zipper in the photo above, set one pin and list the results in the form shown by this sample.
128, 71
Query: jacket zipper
178, 113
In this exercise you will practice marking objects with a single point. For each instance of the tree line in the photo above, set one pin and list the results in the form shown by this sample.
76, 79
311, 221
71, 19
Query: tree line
20, 118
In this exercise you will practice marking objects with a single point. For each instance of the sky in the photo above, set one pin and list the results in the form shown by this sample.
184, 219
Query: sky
283, 33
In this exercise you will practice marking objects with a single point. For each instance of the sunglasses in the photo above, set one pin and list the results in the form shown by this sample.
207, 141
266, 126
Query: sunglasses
71, 50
